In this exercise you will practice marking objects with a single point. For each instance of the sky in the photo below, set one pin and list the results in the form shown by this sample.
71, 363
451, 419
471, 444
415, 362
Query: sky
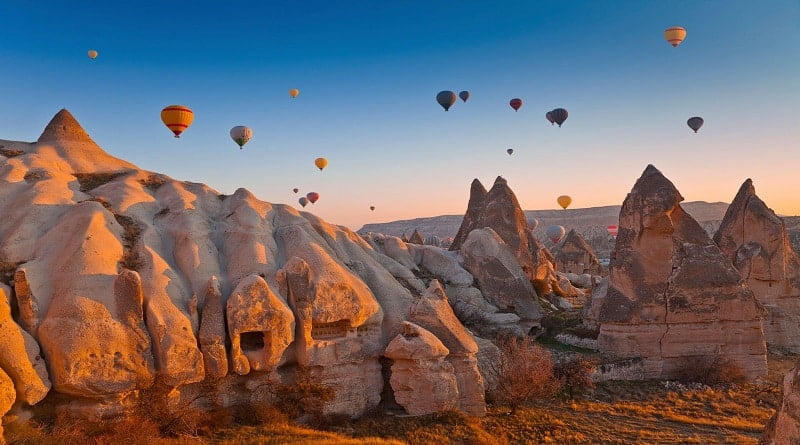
368, 73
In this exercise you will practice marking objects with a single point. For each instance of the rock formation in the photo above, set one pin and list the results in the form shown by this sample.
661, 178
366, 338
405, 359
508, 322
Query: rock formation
575, 256
416, 238
784, 427
673, 297
423, 382
131, 280
499, 210
756, 241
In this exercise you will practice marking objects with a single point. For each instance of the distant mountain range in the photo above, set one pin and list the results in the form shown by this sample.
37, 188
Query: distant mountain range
590, 222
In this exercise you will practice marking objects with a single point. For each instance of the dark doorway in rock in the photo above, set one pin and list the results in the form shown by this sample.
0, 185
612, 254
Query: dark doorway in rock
252, 341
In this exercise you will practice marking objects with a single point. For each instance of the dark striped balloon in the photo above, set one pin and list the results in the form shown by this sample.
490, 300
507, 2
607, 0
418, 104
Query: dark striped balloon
559, 115
446, 99
464, 95
515, 103
549, 117
695, 123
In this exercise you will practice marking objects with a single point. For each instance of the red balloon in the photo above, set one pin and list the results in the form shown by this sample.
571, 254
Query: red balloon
515, 104
612, 230
312, 197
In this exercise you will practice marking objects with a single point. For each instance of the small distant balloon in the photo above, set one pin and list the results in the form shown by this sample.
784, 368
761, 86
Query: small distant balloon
320, 163
446, 99
695, 123
612, 230
559, 115
303, 201
312, 197
464, 95
241, 135
675, 35
295, 190
564, 201
510, 151
294, 92
555, 233
177, 118
515, 103
92, 53
549, 117
372, 208
533, 224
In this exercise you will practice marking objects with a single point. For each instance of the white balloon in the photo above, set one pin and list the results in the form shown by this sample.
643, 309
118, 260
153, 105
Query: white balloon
241, 135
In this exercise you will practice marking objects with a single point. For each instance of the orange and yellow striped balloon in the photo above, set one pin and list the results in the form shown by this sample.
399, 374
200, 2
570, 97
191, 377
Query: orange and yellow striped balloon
675, 35
177, 118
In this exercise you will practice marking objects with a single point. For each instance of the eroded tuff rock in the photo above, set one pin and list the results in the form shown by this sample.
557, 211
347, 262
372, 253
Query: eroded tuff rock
756, 241
673, 298
499, 210
575, 256
422, 380
416, 238
784, 427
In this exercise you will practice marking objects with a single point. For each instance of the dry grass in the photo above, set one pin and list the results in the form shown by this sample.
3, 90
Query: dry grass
130, 236
90, 181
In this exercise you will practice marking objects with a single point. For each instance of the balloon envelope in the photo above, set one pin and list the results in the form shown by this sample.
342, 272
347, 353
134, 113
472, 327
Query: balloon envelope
510, 151
92, 54
177, 118
559, 115
295, 190
612, 230
312, 197
446, 99
564, 201
555, 233
533, 224
695, 123
464, 95
320, 163
515, 103
372, 208
549, 117
241, 135
675, 35
303, 201
294, 92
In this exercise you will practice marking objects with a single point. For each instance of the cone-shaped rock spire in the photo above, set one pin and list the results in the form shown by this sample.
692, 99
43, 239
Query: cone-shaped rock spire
64, 127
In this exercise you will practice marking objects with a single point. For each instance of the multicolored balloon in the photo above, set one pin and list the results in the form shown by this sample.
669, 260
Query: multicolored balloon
321, 163
564, 201
559, 115
312, 197
177, 118
294, 92
303, 201
675, 35
555, 233
695, 123
515, 103
446, 99
464, 95
612, 230
549, 117
241, 135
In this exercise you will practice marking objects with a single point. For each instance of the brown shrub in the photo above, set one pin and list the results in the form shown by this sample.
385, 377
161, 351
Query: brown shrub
7, 270
132, 232
524, 372
575, 374
10, 152
303, 398
711, 370
90, 181
153, 182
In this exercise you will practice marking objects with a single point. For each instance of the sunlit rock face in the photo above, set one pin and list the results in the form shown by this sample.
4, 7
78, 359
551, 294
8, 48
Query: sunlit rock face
673, 297
756, 241
127, 281
784, 427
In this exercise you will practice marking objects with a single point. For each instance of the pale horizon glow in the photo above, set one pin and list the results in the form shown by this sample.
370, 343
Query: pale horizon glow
368, 74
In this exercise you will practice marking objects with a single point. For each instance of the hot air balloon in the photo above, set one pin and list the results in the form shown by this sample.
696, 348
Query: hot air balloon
464, 95
92, 54
515, 104
612, 230
177, 118
372, 208
555, 233
510, 151
549, 117
559, 115
303, 201
241, 135
564, 201
533, 224
446, 99
320, 163
312, 197
295, 190
294, 92
695, 123
675, 35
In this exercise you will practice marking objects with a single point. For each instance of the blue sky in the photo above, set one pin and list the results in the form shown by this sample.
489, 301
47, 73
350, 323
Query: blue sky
368, 72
